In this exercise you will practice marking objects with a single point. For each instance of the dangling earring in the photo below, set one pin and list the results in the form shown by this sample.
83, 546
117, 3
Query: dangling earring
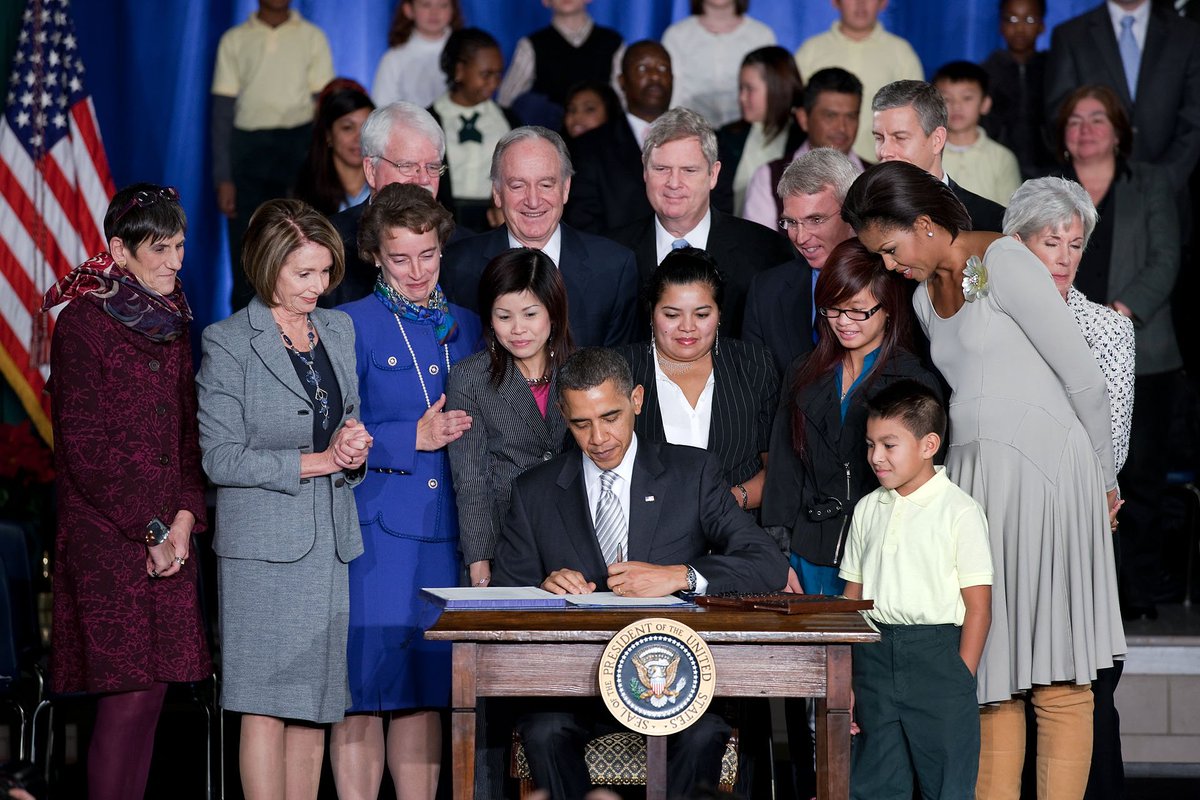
651, 338
717, 341
492, 343
1066, 155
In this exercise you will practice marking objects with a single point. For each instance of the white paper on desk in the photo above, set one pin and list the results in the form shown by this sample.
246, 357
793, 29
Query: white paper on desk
611, 600
495, 597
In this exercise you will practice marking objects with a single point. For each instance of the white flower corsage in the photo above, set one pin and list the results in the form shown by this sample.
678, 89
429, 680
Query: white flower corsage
975, 280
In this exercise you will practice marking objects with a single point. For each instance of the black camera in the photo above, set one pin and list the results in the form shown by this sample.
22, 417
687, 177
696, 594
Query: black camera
824, 509
21, 775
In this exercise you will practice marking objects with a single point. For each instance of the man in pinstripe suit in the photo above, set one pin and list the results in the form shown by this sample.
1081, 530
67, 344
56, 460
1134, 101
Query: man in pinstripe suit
557, 535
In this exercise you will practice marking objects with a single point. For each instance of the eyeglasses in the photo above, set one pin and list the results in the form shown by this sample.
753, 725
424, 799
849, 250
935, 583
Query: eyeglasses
1015, 20
409, 169
148, 197
851, 313
808, 223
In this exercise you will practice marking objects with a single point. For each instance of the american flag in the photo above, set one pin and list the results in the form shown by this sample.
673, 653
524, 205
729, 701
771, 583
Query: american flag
54, 190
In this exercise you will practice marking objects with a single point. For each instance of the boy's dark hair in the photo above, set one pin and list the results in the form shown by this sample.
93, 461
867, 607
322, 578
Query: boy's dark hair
963, 72
1040, 4
830, 79
914, 405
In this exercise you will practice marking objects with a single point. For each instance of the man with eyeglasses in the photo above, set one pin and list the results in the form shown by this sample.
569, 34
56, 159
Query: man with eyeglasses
531, 181
779, 306
400, 143
608, 190
680, 165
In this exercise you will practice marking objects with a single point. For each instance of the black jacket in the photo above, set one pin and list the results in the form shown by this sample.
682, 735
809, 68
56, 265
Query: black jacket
835, 464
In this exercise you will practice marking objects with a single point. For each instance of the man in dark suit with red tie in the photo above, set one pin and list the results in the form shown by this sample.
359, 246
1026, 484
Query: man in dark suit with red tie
637, 519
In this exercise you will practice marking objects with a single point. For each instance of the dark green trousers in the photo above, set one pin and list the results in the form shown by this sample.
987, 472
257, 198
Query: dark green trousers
914, 701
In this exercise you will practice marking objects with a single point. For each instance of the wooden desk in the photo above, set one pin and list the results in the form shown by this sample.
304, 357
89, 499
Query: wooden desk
757, 654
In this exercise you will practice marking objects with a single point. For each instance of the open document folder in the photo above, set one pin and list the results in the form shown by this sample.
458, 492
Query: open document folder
533, 597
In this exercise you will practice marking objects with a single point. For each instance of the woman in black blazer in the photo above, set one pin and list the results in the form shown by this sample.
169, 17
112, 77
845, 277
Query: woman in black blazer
702, 389
508, 391
818, 457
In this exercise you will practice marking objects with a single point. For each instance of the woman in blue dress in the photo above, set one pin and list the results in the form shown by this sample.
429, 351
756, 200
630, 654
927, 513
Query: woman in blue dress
408, 338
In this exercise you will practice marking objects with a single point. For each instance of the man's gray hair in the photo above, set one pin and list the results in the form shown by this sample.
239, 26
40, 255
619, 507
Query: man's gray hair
588, 367
524, 133
816, 169
681, 123
377, 130
1049, 204
923, 97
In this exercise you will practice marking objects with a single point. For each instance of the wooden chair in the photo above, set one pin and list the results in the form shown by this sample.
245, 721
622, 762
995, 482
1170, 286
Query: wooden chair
618, 759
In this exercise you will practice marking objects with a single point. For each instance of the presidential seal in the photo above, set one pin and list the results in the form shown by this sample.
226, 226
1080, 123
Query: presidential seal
657, 676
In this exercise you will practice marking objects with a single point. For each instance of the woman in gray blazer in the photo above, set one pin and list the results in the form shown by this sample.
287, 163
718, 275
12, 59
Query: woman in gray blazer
277, 397
508, 392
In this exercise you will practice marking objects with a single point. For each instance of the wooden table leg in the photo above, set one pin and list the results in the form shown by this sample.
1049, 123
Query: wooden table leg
833, 727
656, 768
462, 719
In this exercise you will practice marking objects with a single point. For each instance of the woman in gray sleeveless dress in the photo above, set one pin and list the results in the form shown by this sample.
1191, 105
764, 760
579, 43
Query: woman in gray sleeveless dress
1030, 440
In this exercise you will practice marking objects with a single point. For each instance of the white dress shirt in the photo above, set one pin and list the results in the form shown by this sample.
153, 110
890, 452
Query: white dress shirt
1141, 21
620, 487
696, 237
553, 247
683, 424
639, 127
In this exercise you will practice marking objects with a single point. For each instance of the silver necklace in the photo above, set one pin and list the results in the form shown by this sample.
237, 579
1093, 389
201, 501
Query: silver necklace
417, 364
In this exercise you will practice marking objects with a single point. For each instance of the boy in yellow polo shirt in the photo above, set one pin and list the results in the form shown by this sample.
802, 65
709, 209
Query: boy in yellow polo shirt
919, 548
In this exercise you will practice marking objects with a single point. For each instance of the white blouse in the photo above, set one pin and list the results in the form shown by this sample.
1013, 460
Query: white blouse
1110, 336
683, 424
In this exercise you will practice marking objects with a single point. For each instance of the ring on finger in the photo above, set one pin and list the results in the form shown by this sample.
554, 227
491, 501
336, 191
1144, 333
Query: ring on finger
180, 561
153, 573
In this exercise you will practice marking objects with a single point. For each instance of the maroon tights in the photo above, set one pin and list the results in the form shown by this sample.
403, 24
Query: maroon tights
123, 742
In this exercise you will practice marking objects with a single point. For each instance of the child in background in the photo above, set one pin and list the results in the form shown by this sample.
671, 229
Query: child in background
269, 71
858, 42
473, 122
409, 69
548, 62
919, 548
1016, 75
589, 105
706, 51
972, 158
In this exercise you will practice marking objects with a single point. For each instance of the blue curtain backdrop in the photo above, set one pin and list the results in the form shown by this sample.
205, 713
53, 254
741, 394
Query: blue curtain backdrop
150, 64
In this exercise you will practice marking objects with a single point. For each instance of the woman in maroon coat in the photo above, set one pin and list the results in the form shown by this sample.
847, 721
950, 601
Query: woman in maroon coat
130, 488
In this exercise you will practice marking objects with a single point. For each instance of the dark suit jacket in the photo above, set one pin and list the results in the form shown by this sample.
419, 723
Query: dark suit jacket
779, 308
836, 462
745, 395
681, 513
1144, 262
600, 276
742, 249
508, 435
986, 215
608, 190
359, 280
1166, 116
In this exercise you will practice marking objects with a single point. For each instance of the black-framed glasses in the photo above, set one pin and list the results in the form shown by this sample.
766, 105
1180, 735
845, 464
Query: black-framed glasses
810, 223
409, 169
148, 197
856, 314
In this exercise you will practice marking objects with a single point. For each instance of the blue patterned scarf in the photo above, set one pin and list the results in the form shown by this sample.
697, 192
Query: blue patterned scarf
437, 312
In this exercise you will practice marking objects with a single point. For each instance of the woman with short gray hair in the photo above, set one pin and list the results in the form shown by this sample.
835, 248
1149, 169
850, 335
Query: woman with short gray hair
1054, 218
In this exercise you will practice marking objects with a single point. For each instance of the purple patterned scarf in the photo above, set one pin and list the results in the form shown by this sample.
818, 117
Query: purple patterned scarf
162, 318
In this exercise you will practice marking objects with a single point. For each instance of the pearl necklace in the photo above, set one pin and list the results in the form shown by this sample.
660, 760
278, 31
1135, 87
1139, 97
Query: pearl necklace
417, 364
